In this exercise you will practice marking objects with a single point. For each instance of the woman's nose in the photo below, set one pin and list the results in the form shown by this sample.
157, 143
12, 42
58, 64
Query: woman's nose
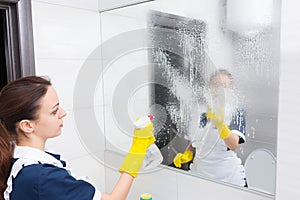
62, 113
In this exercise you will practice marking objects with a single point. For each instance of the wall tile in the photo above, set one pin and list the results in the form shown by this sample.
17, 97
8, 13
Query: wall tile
113, 25
128, 69
64, 33
117, 134
161, 184
190, 187
90, 129
64, 75
82, 4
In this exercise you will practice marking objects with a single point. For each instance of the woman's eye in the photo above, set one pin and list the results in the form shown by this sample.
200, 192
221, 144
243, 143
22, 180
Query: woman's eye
55, 111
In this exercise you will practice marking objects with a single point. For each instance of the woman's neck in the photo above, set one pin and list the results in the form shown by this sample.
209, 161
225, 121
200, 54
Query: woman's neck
34, 143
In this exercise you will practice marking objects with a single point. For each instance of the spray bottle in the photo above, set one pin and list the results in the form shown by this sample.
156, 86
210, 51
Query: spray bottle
153, 156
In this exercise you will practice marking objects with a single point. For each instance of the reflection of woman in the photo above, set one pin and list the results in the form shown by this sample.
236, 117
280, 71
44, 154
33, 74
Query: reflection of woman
220, 129
29, 115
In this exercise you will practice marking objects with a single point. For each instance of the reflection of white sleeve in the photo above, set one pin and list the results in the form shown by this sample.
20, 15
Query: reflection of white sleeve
240, 134
194, 122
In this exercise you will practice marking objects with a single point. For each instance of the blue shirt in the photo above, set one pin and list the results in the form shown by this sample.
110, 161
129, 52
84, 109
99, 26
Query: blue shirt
48, 182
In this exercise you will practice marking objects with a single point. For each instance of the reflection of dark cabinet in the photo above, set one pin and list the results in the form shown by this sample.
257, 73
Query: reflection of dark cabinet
178, 53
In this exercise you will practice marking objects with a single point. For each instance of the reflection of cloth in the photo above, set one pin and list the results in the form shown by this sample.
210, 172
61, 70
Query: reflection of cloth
36, 174
213, 159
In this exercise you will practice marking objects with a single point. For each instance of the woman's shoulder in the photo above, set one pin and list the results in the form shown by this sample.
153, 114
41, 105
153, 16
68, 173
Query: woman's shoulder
28, 181
42, 179
36, 172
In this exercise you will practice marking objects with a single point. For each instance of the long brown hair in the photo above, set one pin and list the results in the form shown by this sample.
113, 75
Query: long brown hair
18, 100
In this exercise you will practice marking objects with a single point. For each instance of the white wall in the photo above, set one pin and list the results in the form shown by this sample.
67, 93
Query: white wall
66, 32
288, 165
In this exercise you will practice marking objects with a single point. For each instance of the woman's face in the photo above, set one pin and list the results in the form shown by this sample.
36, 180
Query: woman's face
50, 116
219, 83
220, 90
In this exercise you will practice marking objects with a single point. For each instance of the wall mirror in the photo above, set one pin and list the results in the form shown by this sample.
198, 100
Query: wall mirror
188, 44
186, 73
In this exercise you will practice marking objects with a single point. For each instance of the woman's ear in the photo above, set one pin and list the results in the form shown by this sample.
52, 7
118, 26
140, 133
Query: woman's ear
26, 126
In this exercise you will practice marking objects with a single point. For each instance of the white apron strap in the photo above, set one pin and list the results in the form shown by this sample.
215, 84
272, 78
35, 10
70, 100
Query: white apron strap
16, 168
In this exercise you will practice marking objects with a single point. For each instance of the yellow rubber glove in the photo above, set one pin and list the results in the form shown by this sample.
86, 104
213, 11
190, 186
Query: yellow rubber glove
142, 139
218, 119
182, 158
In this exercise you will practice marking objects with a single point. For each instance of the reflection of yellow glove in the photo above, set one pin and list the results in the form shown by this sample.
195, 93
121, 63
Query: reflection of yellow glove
218, 119
142, 139
182, 158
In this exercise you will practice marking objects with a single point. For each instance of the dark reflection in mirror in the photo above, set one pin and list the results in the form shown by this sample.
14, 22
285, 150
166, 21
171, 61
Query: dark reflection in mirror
169, 36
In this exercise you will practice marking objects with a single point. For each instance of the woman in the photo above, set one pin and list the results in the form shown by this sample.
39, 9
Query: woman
220, 129
29, 115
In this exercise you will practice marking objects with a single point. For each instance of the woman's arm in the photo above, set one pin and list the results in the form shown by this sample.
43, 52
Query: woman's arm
232, 141
190, 148
132, 163
121, 189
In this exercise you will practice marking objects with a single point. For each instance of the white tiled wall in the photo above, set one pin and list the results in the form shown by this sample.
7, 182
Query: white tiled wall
62, 32
191, 187
289, 109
